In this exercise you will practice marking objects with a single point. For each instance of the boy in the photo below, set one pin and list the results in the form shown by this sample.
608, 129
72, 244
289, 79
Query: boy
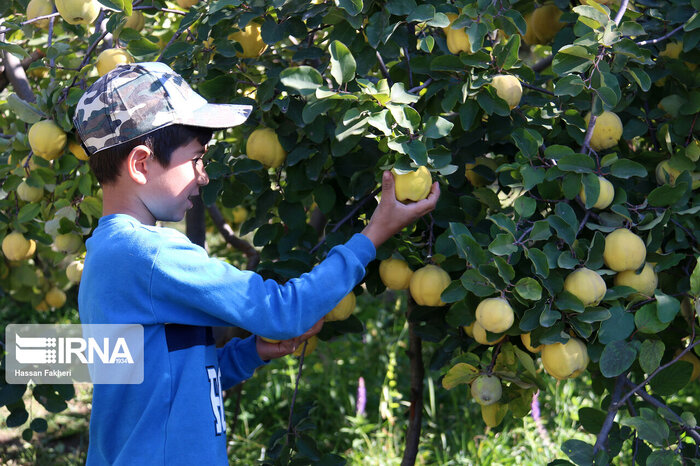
146, 131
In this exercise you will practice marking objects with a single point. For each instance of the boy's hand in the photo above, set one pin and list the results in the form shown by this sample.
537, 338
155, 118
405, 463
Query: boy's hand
391, 216
268, 350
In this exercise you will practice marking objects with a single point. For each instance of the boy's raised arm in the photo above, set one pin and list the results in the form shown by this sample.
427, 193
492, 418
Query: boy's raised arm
391, 216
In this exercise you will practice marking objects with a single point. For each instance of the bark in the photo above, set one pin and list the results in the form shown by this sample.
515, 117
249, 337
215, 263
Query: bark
15, 75
415, 353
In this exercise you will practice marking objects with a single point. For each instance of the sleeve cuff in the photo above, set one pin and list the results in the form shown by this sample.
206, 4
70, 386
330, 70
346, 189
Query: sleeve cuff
362, 247
251, 363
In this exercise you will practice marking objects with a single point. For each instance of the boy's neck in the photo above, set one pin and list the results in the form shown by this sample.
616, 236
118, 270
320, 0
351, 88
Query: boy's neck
116, 201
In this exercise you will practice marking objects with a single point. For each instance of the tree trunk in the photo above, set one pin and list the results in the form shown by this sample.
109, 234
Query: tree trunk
415, 353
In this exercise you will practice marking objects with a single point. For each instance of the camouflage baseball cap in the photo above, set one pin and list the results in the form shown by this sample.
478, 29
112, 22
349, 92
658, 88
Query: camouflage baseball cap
138, 98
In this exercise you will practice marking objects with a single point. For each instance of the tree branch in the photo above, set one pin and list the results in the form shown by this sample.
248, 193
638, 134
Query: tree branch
542, 64
382, 66
662, 38
621, 12
252, 255
415, 353
535, 88
602, 439
658, 369
16, 75
659, 404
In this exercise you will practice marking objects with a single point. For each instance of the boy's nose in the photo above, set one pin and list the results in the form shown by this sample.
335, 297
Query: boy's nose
203, 178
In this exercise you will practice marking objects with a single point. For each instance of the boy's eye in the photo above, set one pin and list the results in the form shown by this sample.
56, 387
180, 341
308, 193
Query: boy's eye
200, 162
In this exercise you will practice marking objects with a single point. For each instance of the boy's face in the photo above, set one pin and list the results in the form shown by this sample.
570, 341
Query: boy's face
170, 188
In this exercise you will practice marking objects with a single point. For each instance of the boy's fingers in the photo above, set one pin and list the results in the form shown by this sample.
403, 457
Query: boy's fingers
428, 204
311, 332
388, 185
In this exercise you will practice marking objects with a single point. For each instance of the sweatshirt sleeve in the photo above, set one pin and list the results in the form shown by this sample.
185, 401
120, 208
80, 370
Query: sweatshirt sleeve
189, 287
238, 360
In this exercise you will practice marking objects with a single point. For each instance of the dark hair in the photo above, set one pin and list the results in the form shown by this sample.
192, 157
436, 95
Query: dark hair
106, 164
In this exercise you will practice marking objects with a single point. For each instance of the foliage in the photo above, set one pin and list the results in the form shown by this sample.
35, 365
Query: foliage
354, 87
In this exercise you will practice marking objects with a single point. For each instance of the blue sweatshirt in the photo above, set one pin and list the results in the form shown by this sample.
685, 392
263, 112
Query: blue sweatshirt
157, 277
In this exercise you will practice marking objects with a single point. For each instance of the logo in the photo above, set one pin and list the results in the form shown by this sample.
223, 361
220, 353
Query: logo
101, 354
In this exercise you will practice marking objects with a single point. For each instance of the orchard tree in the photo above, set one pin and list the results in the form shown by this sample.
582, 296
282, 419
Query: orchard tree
563, 136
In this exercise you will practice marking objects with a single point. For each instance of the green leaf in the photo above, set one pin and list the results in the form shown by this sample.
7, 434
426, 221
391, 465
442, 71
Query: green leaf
437, 127
505, 270
568, 302
303, 79
569, 85
693, 23
400, 96
666, 195
507, 56
14, 49
572, 59
503, 245
540, 231
595, 253
24, 110
667, 307
650, 355
28, 212
577, 163
539, 261
695, 279
619, 326
617, 357
142, 47
625, 168
353, 7
473, 281
593, 13
458, 374
525, 206
468, 112
343, 64
670, 380
39, 425
306, 447
646, 320
654, 430
421, 13
470, 250
591, 419
529, 288
17, 417
580, 452
564, 229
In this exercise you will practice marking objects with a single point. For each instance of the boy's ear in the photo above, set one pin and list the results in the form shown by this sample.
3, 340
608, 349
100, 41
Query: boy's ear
136, 163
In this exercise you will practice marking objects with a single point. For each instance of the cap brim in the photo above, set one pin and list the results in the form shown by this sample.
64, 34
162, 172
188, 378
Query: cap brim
218, 115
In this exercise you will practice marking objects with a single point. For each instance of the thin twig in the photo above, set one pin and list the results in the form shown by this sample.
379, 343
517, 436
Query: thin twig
164, 10
290, 431
421, 87
382, 66
662, 38
252, 254
350, 215
538, 89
